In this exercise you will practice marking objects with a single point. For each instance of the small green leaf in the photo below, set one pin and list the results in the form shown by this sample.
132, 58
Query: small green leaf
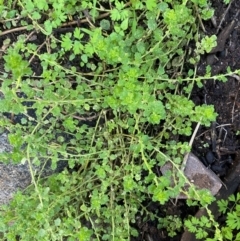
84, 58
84, 234
48, 27
69, 124
233, 220
84, 208
152, 24
237, 237
36, 15
128, 183
66, 42
124, 24
162, 6
57, 222
77, 34
151, 4
101, 173
41, 233
227, 233
232, 198
105, 24
42, 5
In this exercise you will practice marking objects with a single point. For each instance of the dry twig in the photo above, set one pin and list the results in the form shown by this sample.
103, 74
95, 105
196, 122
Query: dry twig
224, 15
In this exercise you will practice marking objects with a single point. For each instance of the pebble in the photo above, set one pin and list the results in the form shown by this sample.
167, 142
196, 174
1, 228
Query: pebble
210, 157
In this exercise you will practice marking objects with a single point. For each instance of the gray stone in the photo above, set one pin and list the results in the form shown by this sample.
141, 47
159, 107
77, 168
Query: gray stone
4, 144
17, 177
12, 177
198, 174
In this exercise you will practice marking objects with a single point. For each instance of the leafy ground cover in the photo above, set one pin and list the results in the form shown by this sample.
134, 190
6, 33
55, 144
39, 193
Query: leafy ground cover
104, 87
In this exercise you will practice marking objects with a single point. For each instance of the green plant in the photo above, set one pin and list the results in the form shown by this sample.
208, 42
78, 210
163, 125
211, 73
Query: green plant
231, 207
227, 229
111, 100
208, 43
172, 224
226, 1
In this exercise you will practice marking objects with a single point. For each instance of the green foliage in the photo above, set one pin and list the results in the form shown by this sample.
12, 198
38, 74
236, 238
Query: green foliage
231, 207
207, 44
226, 1
198, 226
229, 229
111, 100
172, 224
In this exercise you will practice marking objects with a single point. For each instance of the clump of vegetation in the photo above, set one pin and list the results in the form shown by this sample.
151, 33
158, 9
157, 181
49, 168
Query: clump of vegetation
229, 228
107, 92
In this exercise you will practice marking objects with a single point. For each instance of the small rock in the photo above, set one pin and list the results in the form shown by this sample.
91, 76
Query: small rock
220, 169
197, 174
210, 157
12, 177
18, 177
